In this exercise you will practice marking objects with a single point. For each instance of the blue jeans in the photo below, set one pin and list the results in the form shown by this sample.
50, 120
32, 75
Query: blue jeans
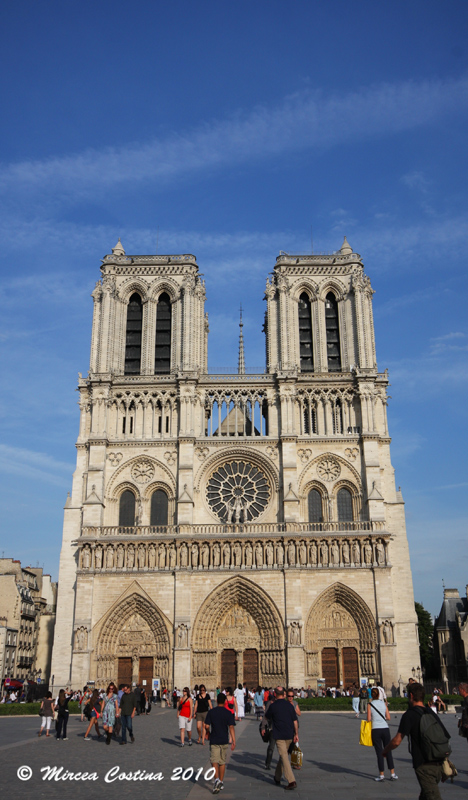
127, 723
356, 705
62, 723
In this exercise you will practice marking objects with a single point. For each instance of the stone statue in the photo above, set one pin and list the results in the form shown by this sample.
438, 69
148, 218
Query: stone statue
226, 554
345, 552
183, 555
380, 551
387, 632
81, 639
216, 555
248, 555
86, 558
313, 554
335, 554
302, 554
368, 553
151, 556
172, 556
182, 636
356, 552
280, 554
237, 551
130, 557
98, 558
205, 555
259, 554
291, 554
195, 556
269, 554
161, 556
120, 556
324, 554
141, 556
110, 557
294, 633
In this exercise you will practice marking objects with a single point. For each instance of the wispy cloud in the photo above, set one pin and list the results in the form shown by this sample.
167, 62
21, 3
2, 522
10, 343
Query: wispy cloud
38, 466
312, 120
454, 341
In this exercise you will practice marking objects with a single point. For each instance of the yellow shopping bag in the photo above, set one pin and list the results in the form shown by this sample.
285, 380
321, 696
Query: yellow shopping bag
366, 733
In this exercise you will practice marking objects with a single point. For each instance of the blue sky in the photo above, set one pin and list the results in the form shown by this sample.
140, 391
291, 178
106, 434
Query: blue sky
231, 131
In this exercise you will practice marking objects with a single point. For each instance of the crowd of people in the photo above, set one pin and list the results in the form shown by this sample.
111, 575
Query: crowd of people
216, 714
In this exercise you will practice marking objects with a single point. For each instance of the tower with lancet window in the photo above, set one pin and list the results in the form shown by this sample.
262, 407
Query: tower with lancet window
243, 527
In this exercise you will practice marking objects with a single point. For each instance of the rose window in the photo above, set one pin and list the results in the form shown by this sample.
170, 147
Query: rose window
238, 492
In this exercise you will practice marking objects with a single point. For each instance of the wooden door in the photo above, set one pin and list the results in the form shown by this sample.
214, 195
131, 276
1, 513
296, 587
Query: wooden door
350, 666
146, 672
228, 669
124, 673
251, 668
330, 666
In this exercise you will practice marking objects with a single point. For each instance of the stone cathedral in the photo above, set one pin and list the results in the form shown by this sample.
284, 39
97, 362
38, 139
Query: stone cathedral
229, 528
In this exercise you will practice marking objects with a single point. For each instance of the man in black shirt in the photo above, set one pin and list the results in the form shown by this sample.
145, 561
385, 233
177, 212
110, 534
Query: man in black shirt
428, 773
463, 691
222, 724
285, 729
127, 712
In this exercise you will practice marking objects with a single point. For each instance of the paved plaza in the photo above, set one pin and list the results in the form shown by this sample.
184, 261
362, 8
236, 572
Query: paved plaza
335, 765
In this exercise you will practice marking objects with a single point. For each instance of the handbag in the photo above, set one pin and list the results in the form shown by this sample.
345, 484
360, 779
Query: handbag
365, 737
449, 770
296, 757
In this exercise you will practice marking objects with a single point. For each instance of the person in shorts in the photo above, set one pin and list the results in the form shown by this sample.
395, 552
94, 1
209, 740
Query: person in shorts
184, 715
202, 705
219, 727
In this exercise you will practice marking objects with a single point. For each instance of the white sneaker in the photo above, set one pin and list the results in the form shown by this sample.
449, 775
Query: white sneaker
380, 778
216, 786
393, 777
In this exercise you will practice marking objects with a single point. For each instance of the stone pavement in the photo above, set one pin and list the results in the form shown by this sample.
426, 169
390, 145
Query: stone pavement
335, 767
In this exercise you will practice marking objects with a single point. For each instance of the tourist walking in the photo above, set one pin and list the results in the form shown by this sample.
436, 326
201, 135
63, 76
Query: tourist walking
239, 694
379, 715
363, 699
355, 700
220, 729
463, 723
185, 715
86, 696
231, 702
428, 770
258, 702
266, 726
93, 709
109, 710
47, 713
284, 731
62, 715
127, 712
202, 705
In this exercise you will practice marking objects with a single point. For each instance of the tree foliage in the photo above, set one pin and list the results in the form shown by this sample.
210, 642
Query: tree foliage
426, 640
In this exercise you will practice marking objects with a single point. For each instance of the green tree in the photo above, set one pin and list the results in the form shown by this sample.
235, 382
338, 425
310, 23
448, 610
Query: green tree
426, 640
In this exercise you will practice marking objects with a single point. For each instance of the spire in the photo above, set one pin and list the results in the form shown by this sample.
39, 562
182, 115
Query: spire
118, 249
346, 248
241, 362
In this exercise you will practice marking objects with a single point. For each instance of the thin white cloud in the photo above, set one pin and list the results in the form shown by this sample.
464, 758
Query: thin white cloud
38, 466
302, 121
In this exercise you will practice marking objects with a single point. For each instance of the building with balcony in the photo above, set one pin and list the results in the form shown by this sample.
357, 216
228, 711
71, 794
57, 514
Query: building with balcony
27, 620
226, 528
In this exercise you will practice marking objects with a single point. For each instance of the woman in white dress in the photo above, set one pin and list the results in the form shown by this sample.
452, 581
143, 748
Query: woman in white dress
240, 697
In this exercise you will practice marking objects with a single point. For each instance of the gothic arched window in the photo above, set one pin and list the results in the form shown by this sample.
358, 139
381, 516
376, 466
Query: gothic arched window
159, 508
127, 509
133, 337
345, 505
314, 501
162, 357
305, 334
333, 333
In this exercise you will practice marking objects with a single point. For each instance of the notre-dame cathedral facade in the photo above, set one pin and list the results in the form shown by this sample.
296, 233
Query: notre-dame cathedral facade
224, 528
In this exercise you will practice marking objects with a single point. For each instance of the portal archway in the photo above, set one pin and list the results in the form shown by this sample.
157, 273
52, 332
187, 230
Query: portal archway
238, 636
341, 638
133, 643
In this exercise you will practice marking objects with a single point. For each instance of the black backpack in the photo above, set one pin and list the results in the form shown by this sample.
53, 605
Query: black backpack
433, 738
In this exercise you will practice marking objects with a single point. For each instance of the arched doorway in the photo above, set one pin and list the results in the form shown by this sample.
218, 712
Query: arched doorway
133, 643
238, 636
341, 640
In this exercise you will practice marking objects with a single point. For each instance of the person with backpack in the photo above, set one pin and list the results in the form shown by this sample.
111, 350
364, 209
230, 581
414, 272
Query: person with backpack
428, 742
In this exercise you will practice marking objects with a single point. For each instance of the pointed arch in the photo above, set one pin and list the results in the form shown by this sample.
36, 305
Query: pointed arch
133, 335
162, 356
242, 592
108, 630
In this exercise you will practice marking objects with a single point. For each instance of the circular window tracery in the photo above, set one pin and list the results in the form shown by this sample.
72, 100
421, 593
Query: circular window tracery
238, 492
